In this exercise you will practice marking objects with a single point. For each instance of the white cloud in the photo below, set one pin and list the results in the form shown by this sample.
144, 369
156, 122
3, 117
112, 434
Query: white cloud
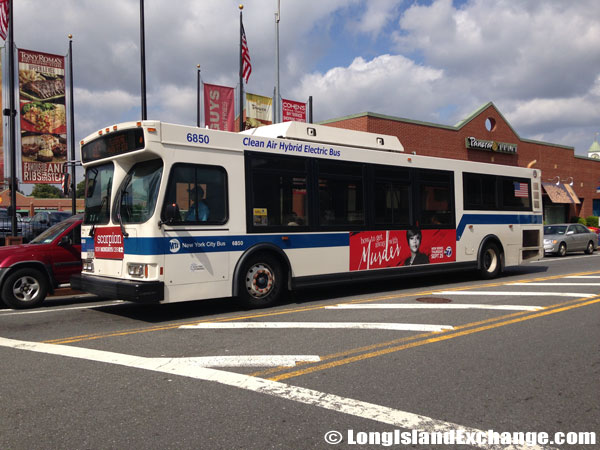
386, 84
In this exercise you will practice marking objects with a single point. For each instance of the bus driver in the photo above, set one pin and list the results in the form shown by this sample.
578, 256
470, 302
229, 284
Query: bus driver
198, 211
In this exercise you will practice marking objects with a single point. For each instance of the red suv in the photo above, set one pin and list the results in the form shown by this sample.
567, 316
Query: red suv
29, 271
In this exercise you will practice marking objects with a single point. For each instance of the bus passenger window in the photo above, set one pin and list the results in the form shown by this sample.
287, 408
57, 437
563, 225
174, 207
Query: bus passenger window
278, 191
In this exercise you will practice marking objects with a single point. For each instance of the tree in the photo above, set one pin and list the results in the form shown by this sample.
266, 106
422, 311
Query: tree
80, 189
46, 191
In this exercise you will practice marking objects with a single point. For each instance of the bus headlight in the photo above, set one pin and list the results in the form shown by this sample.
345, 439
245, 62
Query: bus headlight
88, 266
138, 270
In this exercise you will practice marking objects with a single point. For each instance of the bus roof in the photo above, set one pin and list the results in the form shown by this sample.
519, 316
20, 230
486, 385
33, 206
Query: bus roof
328, 135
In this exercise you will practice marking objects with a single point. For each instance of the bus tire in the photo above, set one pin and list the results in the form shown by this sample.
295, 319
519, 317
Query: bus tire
25, 288
261, 281
490, 264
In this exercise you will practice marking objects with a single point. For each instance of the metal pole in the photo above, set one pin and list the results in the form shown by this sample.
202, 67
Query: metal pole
310, 119
241, 127
12, 118
276, 109
143, 61
198, 99
72, 126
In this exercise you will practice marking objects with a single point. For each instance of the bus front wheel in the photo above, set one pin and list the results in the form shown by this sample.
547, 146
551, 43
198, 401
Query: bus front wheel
261, 281
490, 264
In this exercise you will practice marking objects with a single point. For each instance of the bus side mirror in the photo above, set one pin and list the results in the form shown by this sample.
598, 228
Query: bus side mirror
172, 213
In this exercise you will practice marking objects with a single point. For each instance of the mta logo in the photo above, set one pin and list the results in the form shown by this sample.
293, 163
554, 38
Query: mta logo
174, 245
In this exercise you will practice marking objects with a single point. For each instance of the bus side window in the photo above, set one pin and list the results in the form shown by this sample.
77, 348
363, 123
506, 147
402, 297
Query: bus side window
196, 194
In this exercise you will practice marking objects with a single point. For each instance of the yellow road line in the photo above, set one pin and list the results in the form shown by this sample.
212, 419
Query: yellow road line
442, 337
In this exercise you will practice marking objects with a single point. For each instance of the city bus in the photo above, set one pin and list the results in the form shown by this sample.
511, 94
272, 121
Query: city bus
176, 213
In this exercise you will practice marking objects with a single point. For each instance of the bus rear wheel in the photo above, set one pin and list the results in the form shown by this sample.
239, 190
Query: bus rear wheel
490, 264
261, 281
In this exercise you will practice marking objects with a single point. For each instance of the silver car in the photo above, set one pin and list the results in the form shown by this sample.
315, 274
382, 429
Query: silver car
569, 237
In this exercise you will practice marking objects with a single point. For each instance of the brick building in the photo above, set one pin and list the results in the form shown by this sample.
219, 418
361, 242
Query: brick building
28, 206
571, 183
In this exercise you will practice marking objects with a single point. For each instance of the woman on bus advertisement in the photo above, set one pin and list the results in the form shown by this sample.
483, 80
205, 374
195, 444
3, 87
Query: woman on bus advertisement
414, 238
392, 248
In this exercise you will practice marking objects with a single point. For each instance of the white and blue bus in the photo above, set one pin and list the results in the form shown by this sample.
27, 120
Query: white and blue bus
176, 213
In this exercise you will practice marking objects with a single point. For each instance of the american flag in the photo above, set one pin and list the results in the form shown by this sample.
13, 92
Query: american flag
3, 18
521, 189
246, 66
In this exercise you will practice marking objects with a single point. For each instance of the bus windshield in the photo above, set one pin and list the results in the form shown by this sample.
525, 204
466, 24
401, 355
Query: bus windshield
98, 185
136, 199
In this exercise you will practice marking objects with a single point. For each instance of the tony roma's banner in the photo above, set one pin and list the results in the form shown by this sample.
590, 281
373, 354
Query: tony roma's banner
43, 118
219, 111
293, 111
258, 111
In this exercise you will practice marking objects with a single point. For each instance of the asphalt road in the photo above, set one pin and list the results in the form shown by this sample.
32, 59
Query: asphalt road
517, 354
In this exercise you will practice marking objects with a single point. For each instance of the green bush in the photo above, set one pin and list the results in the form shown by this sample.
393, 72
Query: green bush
592, 221
582, 221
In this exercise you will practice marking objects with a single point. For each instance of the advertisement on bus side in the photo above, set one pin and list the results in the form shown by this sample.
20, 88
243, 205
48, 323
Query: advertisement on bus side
396, 248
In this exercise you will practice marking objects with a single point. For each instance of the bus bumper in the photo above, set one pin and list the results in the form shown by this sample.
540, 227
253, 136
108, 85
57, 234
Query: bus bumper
133, 291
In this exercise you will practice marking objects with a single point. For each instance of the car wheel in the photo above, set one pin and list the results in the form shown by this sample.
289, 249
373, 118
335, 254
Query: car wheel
490, 263
261, 281
562, 249
590, 248
24, 288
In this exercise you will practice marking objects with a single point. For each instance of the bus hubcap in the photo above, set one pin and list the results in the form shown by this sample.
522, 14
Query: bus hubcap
259, 280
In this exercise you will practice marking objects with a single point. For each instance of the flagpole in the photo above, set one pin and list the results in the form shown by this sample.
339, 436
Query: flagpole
241, 127
11, 120
276, 110
72, 126
143, 61
198, 98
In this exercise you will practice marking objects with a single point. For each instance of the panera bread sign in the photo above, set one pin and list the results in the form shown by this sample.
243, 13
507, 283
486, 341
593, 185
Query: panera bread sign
490, 146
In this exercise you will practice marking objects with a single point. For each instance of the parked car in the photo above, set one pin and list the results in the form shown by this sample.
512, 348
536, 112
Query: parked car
28, 272
569, 237
42, 221
6, 223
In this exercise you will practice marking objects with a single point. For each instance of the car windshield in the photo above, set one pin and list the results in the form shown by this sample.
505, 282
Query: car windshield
52, 233
555, 229
59, 216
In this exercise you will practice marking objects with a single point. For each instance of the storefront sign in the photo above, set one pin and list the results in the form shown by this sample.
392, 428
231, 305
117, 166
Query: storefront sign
490, 146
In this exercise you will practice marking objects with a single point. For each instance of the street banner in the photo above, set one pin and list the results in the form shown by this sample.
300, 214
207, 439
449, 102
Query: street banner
259, 111
43, 117
1, 133
219, 110
293, 111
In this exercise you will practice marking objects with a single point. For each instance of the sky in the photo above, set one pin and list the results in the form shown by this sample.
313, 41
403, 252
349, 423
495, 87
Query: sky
436, 61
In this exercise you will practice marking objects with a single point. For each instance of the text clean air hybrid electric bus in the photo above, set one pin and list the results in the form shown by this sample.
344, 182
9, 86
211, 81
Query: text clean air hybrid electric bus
176, 213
